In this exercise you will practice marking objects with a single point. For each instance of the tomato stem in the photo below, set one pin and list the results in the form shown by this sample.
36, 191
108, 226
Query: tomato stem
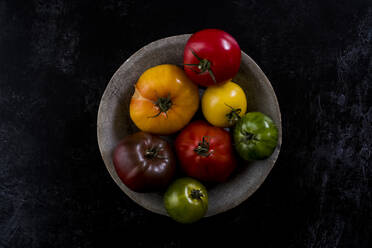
233, 117
163, 104
203, 66
249, 136
151, 153
203, 147
196, 194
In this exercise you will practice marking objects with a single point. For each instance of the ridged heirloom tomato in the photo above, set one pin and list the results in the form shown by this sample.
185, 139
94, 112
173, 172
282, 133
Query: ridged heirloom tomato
164, 100
205, 152
255, 136
144, 162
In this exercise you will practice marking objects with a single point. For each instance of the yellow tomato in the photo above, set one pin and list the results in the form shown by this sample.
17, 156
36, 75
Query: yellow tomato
164, 100
223, 105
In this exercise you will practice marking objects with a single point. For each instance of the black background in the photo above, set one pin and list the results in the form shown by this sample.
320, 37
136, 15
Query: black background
56, 58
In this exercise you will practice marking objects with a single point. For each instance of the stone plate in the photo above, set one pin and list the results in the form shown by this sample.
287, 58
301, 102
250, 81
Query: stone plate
114, 123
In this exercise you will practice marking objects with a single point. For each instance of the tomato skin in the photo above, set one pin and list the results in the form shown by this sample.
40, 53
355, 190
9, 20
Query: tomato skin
144, 162
223, 105
180, 202
164, 100
219, 48
255, 136
216, 162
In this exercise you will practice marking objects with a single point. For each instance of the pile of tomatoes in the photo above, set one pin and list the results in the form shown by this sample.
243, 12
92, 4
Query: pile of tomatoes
165, 100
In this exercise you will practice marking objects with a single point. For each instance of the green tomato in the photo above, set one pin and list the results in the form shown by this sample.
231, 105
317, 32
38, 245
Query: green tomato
255, 136
186, 200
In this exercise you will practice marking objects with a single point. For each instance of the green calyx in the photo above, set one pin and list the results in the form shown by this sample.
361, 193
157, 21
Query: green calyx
152, 153
203, 147
196, 194
233, 116
249, 136
204, 65
163, 104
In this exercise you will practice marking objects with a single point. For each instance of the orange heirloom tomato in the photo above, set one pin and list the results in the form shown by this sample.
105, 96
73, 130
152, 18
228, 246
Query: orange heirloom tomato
164, 100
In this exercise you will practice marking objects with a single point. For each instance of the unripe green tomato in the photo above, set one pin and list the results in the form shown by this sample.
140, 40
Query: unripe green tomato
255, 136
186, 200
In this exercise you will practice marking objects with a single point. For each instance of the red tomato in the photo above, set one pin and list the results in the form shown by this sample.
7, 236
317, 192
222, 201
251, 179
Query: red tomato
211, 56
205, 152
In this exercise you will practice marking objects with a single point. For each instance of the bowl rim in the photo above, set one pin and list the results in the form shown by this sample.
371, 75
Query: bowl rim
258, 74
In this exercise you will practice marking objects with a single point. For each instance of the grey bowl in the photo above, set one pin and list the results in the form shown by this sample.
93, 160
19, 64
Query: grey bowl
114, 123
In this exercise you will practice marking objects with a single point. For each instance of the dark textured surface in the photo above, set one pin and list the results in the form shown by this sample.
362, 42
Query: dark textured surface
56, 58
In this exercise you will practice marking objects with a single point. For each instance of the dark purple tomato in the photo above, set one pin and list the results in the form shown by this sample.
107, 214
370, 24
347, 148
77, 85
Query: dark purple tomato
144, 162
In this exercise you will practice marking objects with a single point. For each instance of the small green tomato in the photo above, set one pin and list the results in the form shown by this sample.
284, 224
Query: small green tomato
186, 200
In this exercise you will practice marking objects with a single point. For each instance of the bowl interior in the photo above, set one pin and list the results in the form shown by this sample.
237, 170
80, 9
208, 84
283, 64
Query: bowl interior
114, 122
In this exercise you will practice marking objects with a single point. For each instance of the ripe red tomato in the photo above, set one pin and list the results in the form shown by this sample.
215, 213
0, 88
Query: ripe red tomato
211, 56
205, 152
